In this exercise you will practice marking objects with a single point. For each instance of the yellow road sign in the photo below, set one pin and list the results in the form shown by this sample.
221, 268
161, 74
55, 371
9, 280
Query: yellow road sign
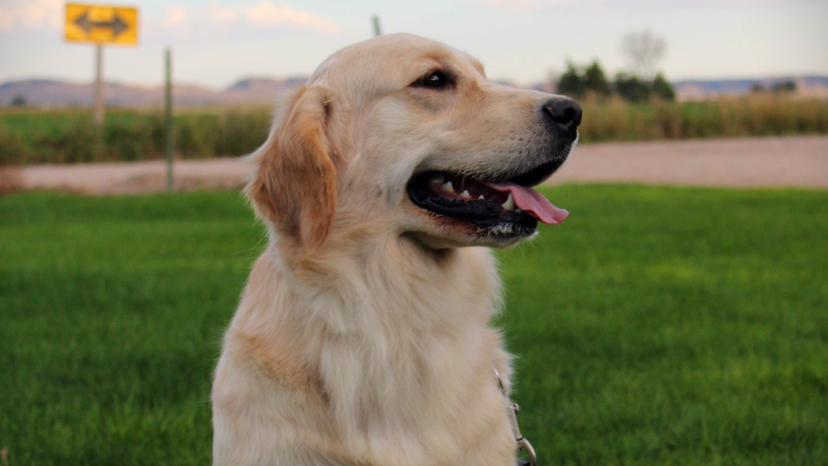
101, 24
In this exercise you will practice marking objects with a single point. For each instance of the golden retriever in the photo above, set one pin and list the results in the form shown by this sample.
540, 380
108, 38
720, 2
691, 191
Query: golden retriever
362, 336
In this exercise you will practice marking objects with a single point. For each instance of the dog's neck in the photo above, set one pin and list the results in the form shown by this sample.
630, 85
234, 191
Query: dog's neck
354, 283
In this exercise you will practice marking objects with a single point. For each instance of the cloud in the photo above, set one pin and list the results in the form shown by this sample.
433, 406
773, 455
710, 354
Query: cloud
220, 14
606, 4
272, 14
27, 15
266, 14
515, 4
176, 17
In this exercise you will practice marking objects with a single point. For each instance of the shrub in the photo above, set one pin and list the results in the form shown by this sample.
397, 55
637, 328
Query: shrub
631, 88
662, 89
571, 82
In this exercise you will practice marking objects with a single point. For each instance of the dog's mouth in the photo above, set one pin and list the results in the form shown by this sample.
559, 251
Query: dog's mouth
508, 207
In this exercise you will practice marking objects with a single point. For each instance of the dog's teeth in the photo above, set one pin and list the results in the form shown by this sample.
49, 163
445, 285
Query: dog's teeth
438, 179
466, 195
481, 198
448, 187
509, 204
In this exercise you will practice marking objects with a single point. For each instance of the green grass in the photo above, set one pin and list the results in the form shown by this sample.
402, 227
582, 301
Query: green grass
656, 326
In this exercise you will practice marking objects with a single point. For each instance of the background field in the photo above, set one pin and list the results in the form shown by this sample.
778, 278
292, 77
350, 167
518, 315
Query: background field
69, 136
655, 326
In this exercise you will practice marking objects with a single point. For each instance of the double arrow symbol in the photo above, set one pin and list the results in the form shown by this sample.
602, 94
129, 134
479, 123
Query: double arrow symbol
116, 24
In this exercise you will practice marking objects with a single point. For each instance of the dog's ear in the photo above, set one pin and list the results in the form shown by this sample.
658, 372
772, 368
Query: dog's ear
294, 184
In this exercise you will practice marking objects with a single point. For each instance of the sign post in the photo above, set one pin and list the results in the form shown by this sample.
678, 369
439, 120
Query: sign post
377, 30
170, 148
101, 25
99, 107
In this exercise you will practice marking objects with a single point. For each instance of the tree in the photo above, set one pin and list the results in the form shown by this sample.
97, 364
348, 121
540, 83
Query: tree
578, 81
19, 101
631, 88
595, 80
785, 86
662, 89
571, 83
643, 50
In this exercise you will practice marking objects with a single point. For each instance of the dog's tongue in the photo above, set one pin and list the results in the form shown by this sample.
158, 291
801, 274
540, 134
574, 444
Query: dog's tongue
529, 200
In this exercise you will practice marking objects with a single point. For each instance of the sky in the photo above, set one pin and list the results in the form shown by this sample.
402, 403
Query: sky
216, 42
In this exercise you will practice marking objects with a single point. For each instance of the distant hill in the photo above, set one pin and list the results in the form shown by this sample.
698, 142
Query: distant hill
806, 86
54, 93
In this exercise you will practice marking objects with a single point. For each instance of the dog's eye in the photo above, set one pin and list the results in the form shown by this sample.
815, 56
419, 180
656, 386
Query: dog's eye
434, 80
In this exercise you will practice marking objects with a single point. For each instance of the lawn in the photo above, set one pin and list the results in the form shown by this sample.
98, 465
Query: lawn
656, 326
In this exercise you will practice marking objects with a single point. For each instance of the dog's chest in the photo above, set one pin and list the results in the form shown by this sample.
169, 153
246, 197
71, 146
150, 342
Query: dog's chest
425, 394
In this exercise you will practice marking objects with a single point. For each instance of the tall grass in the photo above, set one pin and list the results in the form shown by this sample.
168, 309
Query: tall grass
755, 115
69, 136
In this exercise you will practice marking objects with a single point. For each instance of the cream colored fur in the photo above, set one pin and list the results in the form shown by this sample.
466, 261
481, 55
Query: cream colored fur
362, 336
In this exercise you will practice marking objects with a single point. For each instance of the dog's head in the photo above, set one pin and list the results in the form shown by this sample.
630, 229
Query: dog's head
405, 136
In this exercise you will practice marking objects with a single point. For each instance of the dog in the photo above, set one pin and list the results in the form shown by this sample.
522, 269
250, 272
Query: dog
362, 336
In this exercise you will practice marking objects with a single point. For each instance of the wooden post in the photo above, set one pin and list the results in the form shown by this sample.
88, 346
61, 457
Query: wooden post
377, 30
170, 135
99, 103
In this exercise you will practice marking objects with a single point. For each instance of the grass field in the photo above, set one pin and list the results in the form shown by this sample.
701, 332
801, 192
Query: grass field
68, 136
656, 326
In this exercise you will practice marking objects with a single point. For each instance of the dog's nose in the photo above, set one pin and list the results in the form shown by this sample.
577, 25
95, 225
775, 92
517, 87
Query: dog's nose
563, 112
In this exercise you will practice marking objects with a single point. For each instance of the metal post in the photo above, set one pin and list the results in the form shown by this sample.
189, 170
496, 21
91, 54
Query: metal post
170, 147
377, 30
99, 104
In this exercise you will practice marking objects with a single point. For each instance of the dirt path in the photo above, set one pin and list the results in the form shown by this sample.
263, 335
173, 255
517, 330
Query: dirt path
134, 177
793, 161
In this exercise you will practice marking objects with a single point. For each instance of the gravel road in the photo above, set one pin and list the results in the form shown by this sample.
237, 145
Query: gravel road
789, 161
